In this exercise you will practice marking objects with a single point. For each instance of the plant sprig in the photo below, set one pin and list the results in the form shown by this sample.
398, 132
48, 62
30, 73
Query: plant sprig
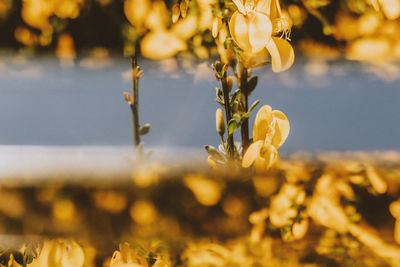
133, 101
236, 113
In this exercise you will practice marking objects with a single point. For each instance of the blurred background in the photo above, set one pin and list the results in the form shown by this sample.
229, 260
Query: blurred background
64, 66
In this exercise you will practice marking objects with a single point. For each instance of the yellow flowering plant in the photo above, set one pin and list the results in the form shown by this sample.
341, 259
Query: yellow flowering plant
259, 34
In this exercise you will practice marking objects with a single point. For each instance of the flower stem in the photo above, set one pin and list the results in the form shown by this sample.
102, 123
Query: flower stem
228, 115
135, 103
244, 129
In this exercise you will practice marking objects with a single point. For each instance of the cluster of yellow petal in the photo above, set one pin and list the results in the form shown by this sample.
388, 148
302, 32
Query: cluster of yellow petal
59, 253
236, 253
65, 47
36, 13
270, 130
162, 41
395, 211
5, 6
25, 36
253, 27
206, 191
127, 256
372, 31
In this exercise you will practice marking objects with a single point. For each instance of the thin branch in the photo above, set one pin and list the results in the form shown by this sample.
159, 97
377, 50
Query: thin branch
245, 106
228, 114
135, 103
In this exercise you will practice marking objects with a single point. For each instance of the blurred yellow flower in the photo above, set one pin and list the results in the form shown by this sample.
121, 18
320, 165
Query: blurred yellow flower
59, 253
161, 42
161, 45
282, 210
127, 257
206, 191
270, 130
36, 13
136, 11
253, 27
391, 8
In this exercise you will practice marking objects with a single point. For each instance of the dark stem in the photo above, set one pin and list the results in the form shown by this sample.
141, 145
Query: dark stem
244, 129
228, 115
135, 104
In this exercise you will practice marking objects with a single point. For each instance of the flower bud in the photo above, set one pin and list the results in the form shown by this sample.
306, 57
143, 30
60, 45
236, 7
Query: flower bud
139, 73
128, 98
184, 8
217, 23
220, 124
229, 81
176, 12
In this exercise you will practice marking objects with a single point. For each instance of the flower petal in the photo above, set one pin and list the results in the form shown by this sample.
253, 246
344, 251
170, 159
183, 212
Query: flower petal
263, 6
136, 11
267, 159
391, 8
275, 10
270, 154
262, 123
161, 45
255, 60
185, 28
260, 165
240, 6
282, 54
252, 153
282, 128
239, 28
260, 30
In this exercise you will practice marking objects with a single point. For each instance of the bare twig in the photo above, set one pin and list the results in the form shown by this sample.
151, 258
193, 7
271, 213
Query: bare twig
135, 103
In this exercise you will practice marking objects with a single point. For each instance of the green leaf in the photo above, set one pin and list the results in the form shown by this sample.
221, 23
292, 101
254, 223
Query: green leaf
235, 106
246, 115
253, 106
145, 129
219, 93
251, 84
220, 102
31, 252
232, 127
236, 116
213, 152
235, 95
219, 69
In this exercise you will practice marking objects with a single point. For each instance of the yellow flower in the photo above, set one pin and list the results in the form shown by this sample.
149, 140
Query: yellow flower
127, 257
253, 27
271, 128
161, 45
60, 253
250, 26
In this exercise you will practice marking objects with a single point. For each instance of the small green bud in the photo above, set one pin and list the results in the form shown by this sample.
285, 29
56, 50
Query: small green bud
220, 124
